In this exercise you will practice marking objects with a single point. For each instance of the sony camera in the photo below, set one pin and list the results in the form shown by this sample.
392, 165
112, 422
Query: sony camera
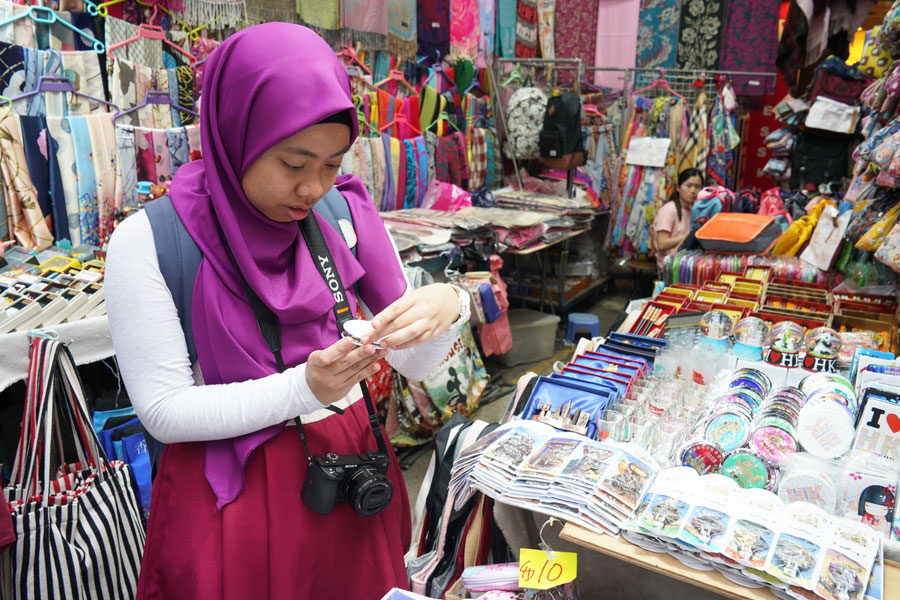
356, 478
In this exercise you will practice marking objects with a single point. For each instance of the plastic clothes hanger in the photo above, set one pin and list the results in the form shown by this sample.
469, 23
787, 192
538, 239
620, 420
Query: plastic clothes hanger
396, 75
155, 97
350, 53
513, 75
102, 9
47, 16
154, 32
49, 83
355, 73
658, 83
6, 100
399, 119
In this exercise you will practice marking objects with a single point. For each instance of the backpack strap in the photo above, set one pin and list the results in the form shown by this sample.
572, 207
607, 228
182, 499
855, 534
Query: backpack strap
179, 260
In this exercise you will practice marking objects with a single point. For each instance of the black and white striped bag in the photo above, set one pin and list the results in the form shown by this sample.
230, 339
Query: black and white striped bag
78, 528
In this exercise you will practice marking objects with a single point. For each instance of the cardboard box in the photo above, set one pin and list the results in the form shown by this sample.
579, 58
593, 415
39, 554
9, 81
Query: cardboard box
842, 323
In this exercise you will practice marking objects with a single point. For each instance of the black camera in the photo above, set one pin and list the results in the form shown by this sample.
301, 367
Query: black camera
357, 478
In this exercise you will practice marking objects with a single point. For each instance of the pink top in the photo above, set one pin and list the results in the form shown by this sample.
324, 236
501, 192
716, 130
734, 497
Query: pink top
667, 220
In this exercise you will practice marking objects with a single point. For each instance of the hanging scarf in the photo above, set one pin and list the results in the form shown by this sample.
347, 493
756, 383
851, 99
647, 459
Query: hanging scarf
365, 22
109, 192
465, 33
546, 24
27, 222
506, 27
751, 44
401, 23
146, 161
84, 177
60, 132
657, 43
161, 156
526, 29
700, 33
224, 13
576, 32
434, 28
126, 167
487, 19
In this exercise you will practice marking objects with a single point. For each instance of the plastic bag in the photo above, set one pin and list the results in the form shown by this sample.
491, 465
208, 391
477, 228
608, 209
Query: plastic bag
872, 239
446, 196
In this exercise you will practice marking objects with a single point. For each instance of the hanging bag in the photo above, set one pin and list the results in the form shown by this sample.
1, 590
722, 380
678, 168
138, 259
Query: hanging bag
78, 530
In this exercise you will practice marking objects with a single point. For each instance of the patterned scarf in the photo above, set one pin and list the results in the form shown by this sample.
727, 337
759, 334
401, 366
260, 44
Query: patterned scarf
322, 16
576, 34
464, 30
27, 222
487, 18
227, 13
700, 35
696, 144
546, 23
751, 44
506, 27
401, 15
365, 22
526, 29
657, 42
434, 28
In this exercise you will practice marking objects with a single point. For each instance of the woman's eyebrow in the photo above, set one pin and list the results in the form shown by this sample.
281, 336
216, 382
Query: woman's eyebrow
311, 154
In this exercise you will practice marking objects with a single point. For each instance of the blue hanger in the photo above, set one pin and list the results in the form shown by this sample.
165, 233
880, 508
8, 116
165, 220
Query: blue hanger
47, 16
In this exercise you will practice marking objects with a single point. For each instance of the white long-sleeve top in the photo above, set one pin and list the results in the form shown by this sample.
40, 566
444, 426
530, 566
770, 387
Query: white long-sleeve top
167, 391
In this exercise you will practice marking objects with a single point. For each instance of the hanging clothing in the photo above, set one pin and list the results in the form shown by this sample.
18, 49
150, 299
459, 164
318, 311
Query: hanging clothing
365, 22
126, 168
576, 32
526, 29
617, 30
546, 24
696, 145
401, 22
507, 12
26, 221
465, 32
700, 34
751, 44
487, 19
657, 41
433, 28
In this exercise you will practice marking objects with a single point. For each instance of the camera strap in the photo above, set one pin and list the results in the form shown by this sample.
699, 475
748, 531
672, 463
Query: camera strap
270, 327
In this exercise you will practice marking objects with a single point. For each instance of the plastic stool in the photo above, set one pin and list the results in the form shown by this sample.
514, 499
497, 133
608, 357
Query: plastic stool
582, 321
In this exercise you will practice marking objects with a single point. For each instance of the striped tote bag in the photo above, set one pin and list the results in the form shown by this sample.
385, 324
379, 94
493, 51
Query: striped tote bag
79, 533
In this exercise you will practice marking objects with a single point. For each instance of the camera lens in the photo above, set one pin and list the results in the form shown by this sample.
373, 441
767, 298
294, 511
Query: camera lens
369, 492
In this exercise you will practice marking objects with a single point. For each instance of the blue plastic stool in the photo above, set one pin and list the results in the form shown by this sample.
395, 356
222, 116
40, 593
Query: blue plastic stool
582, 321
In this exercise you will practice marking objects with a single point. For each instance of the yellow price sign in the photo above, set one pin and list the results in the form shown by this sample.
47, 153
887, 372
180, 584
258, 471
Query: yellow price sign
537, 571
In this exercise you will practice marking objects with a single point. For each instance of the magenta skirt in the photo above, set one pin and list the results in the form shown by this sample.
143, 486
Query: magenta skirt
267, 543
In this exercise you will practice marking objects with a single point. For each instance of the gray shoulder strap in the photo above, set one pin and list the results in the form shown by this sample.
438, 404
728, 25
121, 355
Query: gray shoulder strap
179, 260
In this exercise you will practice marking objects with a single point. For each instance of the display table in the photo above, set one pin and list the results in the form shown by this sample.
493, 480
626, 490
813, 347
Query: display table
664, 564
87, 339
539, 252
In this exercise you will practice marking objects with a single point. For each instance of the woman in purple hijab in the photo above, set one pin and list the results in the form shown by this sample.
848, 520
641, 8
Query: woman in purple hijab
228, 519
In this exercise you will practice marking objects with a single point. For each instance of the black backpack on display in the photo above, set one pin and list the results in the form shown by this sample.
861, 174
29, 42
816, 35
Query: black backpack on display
561, 142
819, 159
746, 200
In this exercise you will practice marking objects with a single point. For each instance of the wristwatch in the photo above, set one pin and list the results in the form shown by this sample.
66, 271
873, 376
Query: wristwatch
465, 309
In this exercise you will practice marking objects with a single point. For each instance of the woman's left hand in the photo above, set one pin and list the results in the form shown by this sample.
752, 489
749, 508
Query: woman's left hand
416, 317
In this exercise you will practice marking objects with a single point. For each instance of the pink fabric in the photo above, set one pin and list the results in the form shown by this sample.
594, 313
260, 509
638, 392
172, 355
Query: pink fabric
464, 29
617, 30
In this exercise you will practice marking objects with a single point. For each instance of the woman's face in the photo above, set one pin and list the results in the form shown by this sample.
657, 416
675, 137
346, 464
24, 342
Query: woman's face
291, 176
687, 191
876, 510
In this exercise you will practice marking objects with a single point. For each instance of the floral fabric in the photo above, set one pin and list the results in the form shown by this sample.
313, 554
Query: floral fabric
576, 35
465, 33
751, 44
657, 43
546, 23
526, 29
700, 35
524, 121
26, 221
889, 251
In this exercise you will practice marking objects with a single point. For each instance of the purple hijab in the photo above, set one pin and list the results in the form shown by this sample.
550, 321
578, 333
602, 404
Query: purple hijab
261, 86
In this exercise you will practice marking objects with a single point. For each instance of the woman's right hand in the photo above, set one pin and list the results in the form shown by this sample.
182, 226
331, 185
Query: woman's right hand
331, 373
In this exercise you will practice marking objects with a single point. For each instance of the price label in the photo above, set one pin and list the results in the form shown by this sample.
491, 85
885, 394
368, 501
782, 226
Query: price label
537, 571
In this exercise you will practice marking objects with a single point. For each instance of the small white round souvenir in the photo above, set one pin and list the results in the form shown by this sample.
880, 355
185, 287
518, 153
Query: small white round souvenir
808, 486
358, 329
825, 428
